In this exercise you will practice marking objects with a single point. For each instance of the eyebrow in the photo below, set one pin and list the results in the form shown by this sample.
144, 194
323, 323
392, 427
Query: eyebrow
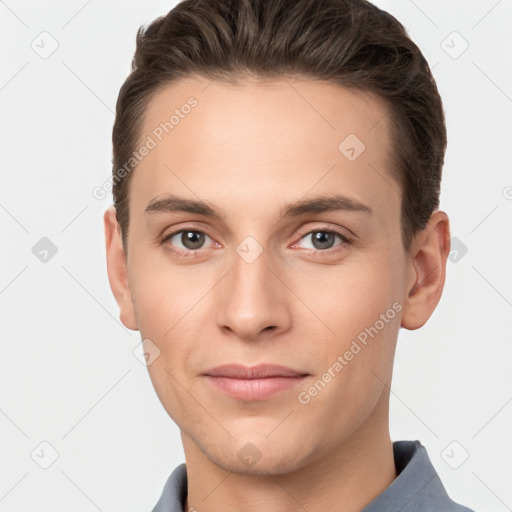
320, 204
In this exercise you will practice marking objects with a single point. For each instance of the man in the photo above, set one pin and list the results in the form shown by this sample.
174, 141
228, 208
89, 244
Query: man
276, 181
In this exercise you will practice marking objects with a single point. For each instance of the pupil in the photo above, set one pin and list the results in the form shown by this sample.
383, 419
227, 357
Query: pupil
320, 236
192, 239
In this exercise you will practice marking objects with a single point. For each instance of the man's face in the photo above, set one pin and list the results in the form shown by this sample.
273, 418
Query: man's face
250, 286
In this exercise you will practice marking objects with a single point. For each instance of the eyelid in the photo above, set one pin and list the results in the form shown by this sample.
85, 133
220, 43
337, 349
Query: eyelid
329, 227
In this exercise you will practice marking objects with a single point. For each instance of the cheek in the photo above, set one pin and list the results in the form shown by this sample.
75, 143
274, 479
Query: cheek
348, 297
357, 360
163, 293
166, 316
356, 317
170, 302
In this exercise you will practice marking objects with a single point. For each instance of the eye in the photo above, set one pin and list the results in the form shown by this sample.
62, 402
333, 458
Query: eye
323, 239
191, 241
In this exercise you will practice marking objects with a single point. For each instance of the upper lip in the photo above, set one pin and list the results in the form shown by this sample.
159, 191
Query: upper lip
260, 371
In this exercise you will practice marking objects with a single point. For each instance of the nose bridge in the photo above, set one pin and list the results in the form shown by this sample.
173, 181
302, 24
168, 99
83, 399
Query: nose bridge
250, 273
253, 300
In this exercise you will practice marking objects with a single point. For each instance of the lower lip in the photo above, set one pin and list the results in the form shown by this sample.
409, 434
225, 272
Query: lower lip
254, 389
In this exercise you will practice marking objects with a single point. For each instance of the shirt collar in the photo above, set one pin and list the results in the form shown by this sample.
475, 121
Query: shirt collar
417, 487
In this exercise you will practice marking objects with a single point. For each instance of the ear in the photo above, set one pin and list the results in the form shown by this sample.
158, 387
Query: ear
427, 271
118, 270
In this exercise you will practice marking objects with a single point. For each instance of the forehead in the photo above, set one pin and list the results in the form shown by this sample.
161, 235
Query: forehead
270, 106
212, 138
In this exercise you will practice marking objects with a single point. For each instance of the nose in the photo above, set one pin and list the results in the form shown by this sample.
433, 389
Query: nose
253, 300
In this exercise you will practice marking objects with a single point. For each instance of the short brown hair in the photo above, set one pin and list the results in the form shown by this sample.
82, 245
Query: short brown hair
348, 42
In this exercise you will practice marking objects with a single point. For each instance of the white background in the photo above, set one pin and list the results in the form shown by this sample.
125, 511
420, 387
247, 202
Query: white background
68, 375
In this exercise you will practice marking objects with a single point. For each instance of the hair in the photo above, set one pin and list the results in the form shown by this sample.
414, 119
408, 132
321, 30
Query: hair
351, 43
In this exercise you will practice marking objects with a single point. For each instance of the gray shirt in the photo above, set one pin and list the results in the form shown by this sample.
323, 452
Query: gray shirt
417, 487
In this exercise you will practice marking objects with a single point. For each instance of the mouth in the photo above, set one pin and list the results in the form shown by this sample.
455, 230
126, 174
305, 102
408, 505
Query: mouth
253, 383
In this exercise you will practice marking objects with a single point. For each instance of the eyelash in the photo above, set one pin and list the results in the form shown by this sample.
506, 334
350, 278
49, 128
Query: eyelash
194, 252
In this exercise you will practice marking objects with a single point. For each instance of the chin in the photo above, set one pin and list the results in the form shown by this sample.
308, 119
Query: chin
259, 455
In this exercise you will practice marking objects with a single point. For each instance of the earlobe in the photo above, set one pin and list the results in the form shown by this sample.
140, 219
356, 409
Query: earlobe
427, 274
117, 269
